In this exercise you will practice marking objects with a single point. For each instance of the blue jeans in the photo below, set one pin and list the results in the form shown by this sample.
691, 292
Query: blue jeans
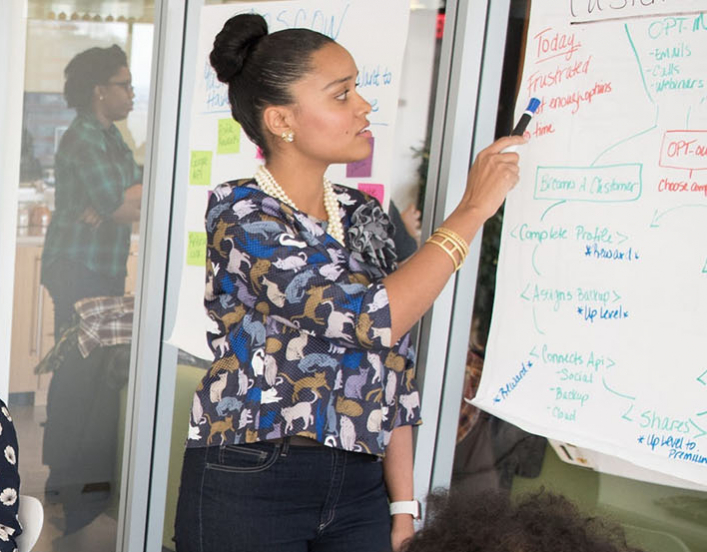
277, 497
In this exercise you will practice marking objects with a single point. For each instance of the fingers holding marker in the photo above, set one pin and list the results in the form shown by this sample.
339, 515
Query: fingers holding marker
510, 174
491, 177
496, 171
505, 161
503, 145
523, 122
514, 178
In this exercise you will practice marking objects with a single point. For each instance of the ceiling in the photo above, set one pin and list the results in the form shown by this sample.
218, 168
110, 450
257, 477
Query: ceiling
141, 10
95, 9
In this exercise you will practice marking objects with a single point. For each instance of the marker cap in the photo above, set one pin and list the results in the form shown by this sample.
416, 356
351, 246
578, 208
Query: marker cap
533, 105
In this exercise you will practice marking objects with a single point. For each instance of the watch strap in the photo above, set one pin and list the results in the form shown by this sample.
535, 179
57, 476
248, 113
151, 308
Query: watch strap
411, 507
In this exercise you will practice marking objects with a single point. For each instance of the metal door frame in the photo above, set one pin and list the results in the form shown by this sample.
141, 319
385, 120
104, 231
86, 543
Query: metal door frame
468, 87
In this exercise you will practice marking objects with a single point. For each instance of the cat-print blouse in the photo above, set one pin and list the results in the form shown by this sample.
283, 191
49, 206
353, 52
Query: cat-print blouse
302, 345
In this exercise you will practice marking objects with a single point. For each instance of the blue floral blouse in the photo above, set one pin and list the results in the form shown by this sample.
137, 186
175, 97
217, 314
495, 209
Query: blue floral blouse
10, 527
303, 343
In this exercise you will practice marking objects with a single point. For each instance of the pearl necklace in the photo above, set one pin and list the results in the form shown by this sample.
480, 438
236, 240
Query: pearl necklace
269, 185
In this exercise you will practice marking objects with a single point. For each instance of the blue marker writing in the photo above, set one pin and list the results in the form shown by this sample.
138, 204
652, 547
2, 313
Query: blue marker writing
523, 122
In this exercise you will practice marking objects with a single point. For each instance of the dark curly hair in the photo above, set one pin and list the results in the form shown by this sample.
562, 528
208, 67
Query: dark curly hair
491, 522
260, 68
88, 69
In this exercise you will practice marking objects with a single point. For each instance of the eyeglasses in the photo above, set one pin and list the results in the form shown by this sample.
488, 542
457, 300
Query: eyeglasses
125, 85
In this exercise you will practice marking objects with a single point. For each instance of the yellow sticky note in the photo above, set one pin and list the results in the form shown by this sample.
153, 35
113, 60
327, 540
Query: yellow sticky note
196, 249
229, 136
200, 168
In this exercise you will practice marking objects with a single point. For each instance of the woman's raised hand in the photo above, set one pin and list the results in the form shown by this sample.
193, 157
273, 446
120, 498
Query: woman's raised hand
491, 177
413, 288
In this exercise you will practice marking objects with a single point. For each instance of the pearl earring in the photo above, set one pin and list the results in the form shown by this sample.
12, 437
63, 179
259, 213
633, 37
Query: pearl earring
288, 136
100, 98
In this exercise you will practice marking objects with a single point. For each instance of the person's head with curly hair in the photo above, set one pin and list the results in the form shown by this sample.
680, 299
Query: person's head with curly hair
492, 522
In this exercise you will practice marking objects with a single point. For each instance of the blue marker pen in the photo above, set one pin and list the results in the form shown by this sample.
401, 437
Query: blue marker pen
525, 118
523, 122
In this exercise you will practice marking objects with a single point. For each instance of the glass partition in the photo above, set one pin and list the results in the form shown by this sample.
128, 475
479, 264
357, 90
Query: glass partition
84, 132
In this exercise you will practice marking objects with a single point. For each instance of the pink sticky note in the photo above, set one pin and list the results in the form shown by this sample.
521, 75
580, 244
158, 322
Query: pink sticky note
363, 168
375, 190
259, 153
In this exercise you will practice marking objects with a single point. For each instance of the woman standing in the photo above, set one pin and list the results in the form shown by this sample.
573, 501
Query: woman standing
98, 194
301, 432
98, 190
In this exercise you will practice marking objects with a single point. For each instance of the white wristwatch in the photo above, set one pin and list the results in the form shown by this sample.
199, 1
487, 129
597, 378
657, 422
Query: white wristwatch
411, 507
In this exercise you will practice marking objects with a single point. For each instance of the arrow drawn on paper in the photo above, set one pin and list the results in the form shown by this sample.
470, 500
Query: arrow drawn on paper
533, 259
610, 390
535, 321
702, 431
702, 381
552, 206
657, 217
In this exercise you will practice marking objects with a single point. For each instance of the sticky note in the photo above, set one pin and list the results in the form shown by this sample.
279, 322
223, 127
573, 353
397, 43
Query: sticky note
363, 168
196, 249
200, 168
375, 190
229, 136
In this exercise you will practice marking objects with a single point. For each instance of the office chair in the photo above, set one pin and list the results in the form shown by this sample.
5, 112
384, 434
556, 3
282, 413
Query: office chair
31, 516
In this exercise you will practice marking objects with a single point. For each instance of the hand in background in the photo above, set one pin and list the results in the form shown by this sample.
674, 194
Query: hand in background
91, 217
129, 211
411, 219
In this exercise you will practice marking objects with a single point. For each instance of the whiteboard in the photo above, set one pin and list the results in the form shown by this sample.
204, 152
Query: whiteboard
220, 151
599, 330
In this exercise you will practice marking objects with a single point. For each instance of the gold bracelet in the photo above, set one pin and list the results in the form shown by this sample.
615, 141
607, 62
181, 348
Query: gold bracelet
455, 242
461, 242
454, 236
457, 264
454, 248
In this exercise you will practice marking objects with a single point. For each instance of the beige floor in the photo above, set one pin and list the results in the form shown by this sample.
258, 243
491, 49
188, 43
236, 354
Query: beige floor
99, 536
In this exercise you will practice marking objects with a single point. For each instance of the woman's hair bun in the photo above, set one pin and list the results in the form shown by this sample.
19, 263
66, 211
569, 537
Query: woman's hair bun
233, 44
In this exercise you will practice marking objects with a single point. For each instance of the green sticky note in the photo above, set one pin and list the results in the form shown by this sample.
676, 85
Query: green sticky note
196, 249
229, 136
200, 168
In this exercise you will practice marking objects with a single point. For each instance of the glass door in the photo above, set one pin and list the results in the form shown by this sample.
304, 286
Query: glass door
80, 188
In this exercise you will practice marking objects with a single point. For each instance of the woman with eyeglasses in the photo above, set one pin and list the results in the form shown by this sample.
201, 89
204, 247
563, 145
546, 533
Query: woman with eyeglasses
98, 186
86, 249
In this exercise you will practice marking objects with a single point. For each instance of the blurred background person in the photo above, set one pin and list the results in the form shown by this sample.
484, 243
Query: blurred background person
407, 230
98, 186
84, 268
493, 522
